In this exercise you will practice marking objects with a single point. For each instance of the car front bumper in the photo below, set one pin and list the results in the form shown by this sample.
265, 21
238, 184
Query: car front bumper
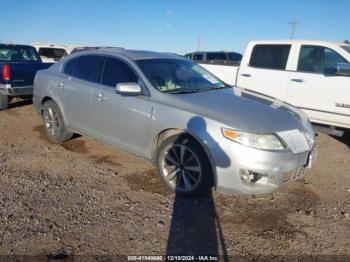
8, 89
277, 168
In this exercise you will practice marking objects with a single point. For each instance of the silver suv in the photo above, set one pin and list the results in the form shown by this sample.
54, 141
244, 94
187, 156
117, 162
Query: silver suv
198, 131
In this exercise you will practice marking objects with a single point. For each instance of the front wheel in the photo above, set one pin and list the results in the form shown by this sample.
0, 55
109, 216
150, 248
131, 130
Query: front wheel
183, 166
54, 124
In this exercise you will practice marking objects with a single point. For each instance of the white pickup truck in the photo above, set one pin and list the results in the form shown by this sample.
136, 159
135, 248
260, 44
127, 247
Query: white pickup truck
311, 75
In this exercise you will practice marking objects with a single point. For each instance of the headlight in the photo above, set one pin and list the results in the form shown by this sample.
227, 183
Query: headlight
259, 141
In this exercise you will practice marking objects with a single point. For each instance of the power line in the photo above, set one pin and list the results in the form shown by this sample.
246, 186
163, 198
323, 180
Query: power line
294, 23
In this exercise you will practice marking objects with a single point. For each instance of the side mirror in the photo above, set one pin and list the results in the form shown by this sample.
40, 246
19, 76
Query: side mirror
131, 89
342, 69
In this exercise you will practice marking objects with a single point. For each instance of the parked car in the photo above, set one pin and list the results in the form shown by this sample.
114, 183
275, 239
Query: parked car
167, 109
311, 75
19, 64
51, 53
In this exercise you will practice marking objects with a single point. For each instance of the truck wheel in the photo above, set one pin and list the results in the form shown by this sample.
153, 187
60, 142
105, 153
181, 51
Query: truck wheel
4, 102
54, 124
183, 166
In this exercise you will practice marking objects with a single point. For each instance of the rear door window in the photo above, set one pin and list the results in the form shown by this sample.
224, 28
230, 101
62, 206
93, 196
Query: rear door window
89, 68
234, 57
270, 56
216, 56
198, 57
116, 71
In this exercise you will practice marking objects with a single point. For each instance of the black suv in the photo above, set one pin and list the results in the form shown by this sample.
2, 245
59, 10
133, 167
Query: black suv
216, 58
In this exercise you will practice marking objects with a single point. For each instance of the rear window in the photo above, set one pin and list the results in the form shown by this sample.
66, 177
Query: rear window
69, 66
18, 54
234, 57
197, 57
270, 56
216, 56
89, 68
55, 53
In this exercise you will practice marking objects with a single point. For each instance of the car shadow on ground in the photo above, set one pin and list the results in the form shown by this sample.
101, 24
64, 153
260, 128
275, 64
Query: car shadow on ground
345, 139
195, 228
19, 103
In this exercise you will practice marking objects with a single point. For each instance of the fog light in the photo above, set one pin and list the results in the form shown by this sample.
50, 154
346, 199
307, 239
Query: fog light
249, 177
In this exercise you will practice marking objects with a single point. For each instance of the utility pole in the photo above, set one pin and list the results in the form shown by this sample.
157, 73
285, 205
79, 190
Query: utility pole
294, 23
199, 42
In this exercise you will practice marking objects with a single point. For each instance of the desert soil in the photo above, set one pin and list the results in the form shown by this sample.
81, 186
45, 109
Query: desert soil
86, 199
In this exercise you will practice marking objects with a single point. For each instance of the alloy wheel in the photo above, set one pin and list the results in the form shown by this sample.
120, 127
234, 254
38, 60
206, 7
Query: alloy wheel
181, 168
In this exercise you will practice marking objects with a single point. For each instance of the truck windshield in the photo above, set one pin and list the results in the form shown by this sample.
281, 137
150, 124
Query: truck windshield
18, 54
347, 48
178, 75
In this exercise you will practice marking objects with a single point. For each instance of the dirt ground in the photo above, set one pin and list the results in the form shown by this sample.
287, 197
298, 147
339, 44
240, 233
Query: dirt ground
87, 199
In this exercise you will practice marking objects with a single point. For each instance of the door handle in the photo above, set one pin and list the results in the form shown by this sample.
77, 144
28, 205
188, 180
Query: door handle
246, 75
297, 80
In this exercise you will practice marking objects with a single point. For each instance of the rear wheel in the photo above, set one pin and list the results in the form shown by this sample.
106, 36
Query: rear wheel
4, 101
54, 124
183, 166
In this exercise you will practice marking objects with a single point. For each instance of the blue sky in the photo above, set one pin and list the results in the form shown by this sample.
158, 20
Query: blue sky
170, 25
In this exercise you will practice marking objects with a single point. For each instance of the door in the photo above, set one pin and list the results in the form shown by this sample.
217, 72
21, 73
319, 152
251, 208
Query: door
75, 90
314, 87
266, 72
121, 119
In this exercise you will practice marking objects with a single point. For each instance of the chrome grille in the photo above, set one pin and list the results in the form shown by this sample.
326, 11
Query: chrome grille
295, 140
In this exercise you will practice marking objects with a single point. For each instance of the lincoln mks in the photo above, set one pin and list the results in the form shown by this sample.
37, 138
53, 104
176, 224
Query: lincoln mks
197, 130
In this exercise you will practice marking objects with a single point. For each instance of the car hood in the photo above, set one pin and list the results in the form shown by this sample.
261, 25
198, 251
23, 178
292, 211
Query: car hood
243, 110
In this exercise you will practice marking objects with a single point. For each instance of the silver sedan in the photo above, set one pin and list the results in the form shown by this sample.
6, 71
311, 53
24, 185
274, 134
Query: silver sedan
198, 131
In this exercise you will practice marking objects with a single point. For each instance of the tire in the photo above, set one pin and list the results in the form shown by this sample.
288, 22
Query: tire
53, 123
191, 176
4, 102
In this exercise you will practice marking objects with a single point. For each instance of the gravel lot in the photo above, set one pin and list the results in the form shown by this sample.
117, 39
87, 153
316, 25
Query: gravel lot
84, 198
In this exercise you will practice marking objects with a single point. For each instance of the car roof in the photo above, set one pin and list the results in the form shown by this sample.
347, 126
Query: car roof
133, 54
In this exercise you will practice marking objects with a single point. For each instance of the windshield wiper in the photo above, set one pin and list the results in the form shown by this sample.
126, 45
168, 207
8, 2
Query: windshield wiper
187, 91
184, 91
212, 88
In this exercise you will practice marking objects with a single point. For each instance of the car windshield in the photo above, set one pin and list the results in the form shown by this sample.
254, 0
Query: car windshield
178, 75
18, 54
347, 48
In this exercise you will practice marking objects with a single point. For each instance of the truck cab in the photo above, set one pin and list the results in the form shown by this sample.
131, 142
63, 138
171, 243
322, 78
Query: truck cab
311, 75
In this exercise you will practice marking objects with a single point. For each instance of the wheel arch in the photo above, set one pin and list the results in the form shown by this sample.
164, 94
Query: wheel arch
164, 134
48, 98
